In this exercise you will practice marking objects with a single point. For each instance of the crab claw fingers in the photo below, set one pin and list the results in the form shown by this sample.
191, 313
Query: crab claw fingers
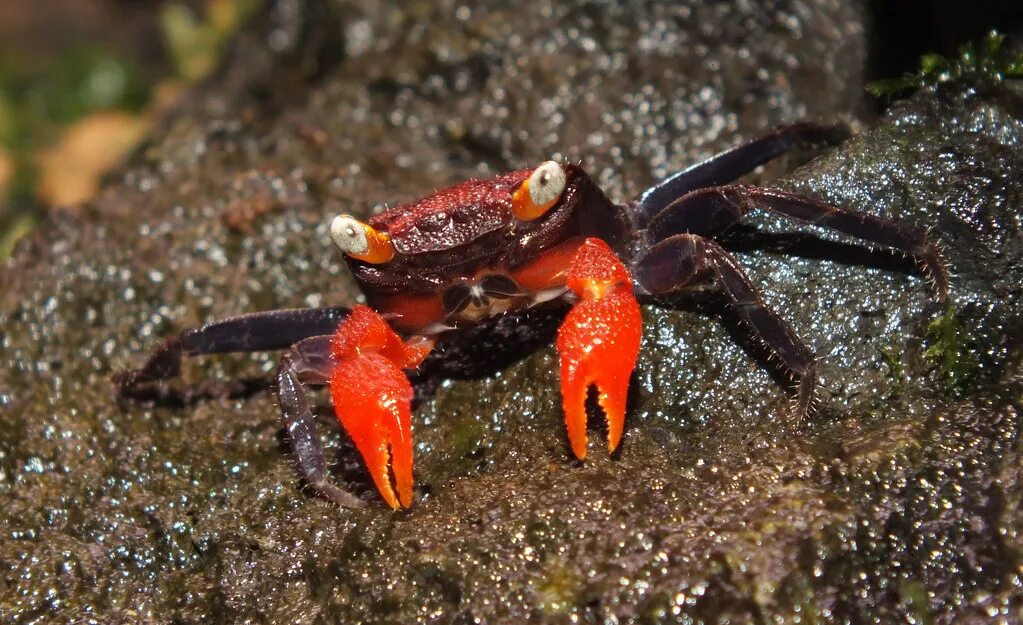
598, 342
373, 398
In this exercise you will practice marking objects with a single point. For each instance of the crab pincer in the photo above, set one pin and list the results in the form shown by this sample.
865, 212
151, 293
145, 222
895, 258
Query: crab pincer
372, 397
598, 342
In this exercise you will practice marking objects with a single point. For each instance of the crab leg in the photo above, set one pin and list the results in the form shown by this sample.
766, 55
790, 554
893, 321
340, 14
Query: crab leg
598, 342
728, 166
372, 398
253, 332
676, 261
707, 212
308, 362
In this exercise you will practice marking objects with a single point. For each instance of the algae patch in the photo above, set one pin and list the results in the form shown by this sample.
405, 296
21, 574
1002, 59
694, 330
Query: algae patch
987, 62
956, 363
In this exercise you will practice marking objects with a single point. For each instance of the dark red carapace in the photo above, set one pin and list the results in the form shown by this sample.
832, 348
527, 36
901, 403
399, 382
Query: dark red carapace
433, 269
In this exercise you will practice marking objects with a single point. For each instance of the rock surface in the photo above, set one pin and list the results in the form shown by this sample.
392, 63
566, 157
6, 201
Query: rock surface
900, 498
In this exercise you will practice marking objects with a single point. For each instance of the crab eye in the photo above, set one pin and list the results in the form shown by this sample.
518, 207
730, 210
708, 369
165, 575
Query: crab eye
539, 192
360, 240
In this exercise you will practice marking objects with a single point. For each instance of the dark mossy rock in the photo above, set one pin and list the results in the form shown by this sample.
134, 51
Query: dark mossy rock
900, 498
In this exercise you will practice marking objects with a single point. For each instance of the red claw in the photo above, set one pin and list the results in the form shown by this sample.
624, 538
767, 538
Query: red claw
598, 342
372, 398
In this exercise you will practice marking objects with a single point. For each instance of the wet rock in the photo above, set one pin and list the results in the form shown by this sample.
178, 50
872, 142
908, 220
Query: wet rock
899, 498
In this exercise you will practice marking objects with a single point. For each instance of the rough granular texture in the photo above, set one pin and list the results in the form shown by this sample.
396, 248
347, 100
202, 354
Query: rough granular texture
898, 501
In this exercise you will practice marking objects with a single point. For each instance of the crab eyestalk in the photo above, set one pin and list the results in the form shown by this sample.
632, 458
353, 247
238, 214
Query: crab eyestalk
598, 342
360, 240
372, 398
538, 193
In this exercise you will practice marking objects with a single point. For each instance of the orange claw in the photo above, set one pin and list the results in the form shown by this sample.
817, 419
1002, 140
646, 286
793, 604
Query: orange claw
598, 342
373, 397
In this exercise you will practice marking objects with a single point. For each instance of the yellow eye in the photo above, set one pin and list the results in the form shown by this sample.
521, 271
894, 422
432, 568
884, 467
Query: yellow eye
360, 240
538, 193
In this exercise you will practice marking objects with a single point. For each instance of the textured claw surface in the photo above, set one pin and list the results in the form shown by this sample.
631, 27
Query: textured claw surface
598, 342
372, 398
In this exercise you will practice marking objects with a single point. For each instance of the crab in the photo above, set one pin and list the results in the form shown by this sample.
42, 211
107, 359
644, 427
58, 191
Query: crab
433, 269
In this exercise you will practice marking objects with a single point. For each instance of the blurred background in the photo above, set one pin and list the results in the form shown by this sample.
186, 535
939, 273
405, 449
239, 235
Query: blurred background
82, 81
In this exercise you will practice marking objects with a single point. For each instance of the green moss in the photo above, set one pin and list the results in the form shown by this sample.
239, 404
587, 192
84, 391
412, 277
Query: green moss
948, 350
194, 43
10, 233
464, 436
915, 595
986, 62
559, 591
36, 101
896, 369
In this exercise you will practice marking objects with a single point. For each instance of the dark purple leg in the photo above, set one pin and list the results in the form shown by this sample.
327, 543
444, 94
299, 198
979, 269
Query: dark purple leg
906, 238
709, 211
729, 166
706, 212
676, 261
254, 332
308, 362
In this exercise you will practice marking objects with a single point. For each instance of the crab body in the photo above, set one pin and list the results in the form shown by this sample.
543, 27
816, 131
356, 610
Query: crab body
435, 268
461, 255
